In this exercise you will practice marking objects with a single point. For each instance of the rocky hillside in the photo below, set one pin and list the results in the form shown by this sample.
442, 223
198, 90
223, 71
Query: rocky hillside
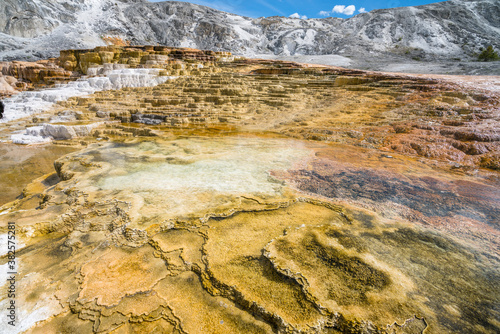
31, 29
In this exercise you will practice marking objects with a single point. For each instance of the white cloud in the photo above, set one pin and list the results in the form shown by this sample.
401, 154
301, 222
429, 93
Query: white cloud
349, 10
324, 13
297, 16
341, 9
362, 10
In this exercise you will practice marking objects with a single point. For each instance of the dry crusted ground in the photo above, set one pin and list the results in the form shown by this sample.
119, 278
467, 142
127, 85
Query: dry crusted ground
266, 197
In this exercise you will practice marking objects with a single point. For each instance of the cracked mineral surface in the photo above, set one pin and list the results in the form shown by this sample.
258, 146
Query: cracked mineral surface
252, 196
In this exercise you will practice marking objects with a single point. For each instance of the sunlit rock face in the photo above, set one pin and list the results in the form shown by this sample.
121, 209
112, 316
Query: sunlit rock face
33, 102
253, 196
19, 75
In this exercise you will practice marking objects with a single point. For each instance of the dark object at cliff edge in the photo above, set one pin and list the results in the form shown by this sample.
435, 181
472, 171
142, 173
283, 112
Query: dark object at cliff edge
489, 54
1, 109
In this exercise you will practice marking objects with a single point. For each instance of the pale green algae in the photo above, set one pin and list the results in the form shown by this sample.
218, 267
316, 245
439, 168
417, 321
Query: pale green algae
226, 165
189, 175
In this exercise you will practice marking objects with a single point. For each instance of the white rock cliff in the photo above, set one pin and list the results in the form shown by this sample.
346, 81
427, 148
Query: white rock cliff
31, 29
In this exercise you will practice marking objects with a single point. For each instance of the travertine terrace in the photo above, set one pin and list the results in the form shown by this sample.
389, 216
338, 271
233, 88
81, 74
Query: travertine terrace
254, 196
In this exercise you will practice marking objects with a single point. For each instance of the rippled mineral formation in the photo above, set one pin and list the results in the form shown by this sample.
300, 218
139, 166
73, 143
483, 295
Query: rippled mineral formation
227, 195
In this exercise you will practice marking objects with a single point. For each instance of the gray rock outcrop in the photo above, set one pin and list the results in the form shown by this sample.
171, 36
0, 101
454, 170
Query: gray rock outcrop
32, 29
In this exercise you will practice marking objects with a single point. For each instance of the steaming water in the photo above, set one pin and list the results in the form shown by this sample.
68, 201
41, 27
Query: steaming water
188, 174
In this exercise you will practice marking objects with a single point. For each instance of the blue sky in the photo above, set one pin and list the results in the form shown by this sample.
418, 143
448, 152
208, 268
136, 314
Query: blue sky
308, 8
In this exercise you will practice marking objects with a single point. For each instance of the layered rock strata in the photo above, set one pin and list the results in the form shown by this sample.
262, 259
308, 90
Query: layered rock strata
18, 76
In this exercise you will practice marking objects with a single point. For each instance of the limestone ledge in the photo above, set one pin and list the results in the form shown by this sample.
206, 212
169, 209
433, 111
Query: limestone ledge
16, 76
133, 56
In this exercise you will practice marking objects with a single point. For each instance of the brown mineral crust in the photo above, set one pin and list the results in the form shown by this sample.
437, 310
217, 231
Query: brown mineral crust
9, 85
491, 161
385, 183
391, 218
36, 74
115, 41
23, 164
182, 241
203, 313
318, 256
235, 263
104, 277
340, 279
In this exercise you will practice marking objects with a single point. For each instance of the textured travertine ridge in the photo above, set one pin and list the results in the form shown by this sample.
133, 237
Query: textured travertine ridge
252, 196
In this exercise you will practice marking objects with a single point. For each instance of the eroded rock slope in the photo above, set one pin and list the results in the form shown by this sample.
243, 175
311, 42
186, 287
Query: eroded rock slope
449, 29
